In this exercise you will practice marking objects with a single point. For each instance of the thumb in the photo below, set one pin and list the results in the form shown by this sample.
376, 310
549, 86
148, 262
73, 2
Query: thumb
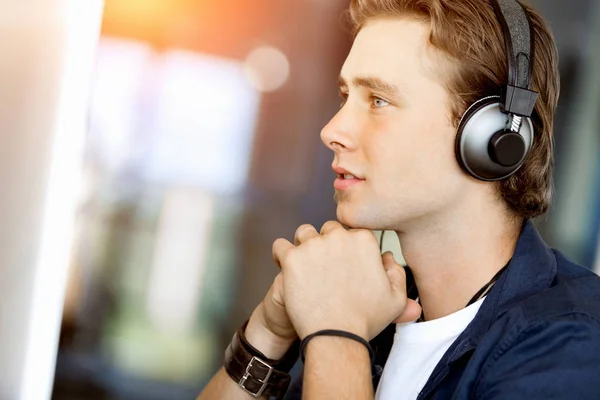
395, 272
412, 312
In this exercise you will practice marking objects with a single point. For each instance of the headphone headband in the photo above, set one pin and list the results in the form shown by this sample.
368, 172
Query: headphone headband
496, 133
517, 98
519, 48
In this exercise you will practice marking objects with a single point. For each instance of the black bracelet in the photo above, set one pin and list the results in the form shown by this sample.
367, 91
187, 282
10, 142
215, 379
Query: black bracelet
333, 332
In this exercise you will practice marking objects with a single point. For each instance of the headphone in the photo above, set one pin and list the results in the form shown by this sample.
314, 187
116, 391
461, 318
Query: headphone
495, 134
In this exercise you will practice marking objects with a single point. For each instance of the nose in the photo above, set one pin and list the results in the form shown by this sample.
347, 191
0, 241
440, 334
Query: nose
339, 134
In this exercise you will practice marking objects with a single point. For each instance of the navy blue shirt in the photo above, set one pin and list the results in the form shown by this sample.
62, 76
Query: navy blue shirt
536, 335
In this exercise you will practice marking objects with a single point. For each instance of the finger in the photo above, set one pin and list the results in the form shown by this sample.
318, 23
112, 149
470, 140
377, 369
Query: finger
330, 226
275, 294
281, 248
274, 314
395, 272
411, 313
304, 233
397, 275
389, 261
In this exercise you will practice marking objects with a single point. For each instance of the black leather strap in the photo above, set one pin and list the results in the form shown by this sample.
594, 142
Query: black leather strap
254, 372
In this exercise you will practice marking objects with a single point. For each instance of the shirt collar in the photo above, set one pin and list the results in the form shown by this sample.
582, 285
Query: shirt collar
531, 270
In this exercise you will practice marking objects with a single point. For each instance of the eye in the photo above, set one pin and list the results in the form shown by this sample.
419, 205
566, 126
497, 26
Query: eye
344, 97
378, 103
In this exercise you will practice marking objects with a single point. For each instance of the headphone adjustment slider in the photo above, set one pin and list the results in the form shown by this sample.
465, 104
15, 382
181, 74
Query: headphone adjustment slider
518, 101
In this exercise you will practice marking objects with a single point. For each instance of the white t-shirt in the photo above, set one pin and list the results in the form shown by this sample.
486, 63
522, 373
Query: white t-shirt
417, 349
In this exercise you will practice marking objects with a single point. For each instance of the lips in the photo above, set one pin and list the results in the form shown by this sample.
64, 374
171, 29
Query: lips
344, 173
346, 179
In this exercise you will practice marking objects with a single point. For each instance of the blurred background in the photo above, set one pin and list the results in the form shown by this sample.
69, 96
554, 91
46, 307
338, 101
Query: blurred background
203, 147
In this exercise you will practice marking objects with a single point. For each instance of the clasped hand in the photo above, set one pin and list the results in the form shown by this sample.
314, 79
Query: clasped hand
337, 279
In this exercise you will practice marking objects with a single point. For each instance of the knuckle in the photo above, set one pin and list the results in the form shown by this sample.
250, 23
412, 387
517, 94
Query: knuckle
304, 227
305, 233
339, 235
287, 254
279, 248
329, 225
275, 245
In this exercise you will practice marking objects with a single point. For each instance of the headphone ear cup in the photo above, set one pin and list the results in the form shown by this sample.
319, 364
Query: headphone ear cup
483, 145
507, 148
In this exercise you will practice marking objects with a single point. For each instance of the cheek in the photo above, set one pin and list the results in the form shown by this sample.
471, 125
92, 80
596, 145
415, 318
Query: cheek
434, 141
388, 148
412, 150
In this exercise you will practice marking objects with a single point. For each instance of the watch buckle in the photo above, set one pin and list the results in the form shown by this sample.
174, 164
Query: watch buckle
247, 375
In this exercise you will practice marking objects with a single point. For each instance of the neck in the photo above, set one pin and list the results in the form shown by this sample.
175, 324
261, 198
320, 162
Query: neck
454, 257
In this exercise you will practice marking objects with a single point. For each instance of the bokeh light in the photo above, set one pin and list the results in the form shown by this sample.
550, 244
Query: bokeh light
267, 68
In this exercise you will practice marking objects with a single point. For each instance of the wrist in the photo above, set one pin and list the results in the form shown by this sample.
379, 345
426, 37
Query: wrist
253, 371
328, 359
355, 329
264, 340
348, 340
336, 344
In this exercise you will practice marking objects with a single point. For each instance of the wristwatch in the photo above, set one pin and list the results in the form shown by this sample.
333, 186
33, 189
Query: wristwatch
254, 372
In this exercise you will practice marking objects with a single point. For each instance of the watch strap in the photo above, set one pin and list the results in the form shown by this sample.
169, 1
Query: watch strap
257, 374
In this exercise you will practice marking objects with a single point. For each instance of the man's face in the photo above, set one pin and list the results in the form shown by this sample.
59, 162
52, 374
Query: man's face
393, 131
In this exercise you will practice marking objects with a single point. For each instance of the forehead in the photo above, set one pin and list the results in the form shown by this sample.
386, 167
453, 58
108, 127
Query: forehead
393, 49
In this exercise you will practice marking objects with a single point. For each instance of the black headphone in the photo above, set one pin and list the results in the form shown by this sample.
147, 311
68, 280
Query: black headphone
495, 134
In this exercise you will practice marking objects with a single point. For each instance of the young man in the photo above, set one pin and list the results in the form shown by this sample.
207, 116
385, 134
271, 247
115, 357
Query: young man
500, 315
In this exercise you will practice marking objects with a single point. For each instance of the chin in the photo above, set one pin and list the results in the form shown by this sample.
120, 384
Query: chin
375, 216
345, 214
353, 217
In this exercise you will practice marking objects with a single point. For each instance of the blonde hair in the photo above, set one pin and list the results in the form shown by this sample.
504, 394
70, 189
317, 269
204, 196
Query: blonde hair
469, 34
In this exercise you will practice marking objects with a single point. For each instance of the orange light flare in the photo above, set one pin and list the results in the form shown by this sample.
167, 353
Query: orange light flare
221, 26
141, 19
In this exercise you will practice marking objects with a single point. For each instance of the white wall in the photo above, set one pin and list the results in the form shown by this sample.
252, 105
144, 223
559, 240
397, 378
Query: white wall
46, 58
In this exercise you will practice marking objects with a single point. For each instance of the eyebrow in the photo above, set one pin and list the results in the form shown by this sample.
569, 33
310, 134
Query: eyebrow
372, 83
